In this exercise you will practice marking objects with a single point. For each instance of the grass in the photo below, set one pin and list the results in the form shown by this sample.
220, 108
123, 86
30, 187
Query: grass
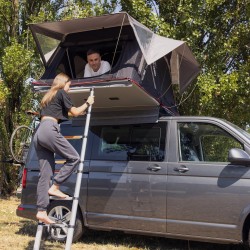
18, 234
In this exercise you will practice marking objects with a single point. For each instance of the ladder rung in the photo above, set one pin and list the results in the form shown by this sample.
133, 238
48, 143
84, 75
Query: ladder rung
73, 137
58, 225
54, 225
60, 161
61, 199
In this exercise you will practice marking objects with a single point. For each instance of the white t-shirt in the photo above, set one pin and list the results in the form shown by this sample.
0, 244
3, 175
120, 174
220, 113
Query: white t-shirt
105, 67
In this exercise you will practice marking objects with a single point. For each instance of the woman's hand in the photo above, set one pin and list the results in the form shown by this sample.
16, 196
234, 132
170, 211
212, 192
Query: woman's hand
91, 100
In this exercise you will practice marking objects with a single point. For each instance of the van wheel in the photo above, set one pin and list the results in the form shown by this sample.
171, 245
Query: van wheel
60, 211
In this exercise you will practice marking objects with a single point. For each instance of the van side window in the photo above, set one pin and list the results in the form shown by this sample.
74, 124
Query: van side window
111, 143
205, 142
129, 142
146, 144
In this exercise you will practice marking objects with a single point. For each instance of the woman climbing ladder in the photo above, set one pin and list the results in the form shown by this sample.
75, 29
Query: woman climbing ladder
47, 140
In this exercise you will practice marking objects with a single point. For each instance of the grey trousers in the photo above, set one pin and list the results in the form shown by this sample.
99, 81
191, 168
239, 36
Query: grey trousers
47, 141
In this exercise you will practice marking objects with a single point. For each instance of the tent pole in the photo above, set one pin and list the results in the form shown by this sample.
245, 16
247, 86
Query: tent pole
71, 72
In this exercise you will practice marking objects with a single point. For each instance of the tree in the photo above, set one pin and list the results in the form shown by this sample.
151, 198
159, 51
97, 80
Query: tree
18, 61
13, 67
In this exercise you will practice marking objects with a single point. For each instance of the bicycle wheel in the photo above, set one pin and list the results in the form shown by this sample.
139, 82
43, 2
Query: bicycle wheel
19, 143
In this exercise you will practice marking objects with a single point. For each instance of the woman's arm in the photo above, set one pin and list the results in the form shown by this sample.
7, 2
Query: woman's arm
76, 111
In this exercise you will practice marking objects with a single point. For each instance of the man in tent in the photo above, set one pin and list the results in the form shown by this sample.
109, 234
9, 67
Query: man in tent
95, 66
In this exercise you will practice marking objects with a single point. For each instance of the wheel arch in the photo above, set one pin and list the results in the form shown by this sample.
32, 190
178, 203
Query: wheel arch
79, 231
82, 207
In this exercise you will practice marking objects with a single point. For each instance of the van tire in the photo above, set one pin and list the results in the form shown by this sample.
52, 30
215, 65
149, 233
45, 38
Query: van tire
247, 243
64, 208
246, 236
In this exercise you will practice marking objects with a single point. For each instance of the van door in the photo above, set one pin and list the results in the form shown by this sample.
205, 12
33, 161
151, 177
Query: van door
127, 178
147, 178
206, 194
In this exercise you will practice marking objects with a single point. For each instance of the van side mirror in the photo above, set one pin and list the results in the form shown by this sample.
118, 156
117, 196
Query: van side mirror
238, 156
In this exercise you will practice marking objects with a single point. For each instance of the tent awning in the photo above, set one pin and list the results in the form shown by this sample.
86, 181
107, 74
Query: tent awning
58, 30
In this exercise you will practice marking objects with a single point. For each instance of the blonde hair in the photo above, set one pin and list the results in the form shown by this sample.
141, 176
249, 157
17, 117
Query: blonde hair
58, 83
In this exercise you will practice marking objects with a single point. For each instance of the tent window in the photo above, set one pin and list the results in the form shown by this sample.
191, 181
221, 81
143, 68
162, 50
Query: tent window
79, 65
63, 66
144, 36
78, 57
48, 45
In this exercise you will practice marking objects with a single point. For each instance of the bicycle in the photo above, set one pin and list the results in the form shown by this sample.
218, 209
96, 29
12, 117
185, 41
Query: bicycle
21, 138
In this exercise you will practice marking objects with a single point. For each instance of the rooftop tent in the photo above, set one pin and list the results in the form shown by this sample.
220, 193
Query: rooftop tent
143, 65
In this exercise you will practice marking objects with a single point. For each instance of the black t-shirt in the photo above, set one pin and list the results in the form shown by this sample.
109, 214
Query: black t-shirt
59, 106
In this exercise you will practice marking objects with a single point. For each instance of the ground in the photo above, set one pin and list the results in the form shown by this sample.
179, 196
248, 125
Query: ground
18, 234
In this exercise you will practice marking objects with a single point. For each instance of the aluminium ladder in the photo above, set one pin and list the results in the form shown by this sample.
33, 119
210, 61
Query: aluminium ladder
75, 199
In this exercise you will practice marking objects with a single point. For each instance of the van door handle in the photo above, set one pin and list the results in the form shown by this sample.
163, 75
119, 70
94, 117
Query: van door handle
154, 168
181, 169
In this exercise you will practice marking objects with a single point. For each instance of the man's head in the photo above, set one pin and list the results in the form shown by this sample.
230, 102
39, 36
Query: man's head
94, 59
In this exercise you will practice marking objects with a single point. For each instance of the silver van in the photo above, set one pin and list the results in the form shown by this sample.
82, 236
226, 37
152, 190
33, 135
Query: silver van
179, 177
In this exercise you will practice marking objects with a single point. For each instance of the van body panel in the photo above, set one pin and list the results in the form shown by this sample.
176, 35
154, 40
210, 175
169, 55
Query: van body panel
168, 178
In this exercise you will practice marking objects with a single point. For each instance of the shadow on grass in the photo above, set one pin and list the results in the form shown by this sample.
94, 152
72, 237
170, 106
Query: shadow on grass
151, 243
126, 240
45, 245
27, 227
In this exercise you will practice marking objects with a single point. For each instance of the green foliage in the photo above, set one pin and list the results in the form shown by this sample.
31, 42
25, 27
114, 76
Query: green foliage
15, 59
216, 148
4, 91
142, 11
81, 9
15, 67
217, 31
